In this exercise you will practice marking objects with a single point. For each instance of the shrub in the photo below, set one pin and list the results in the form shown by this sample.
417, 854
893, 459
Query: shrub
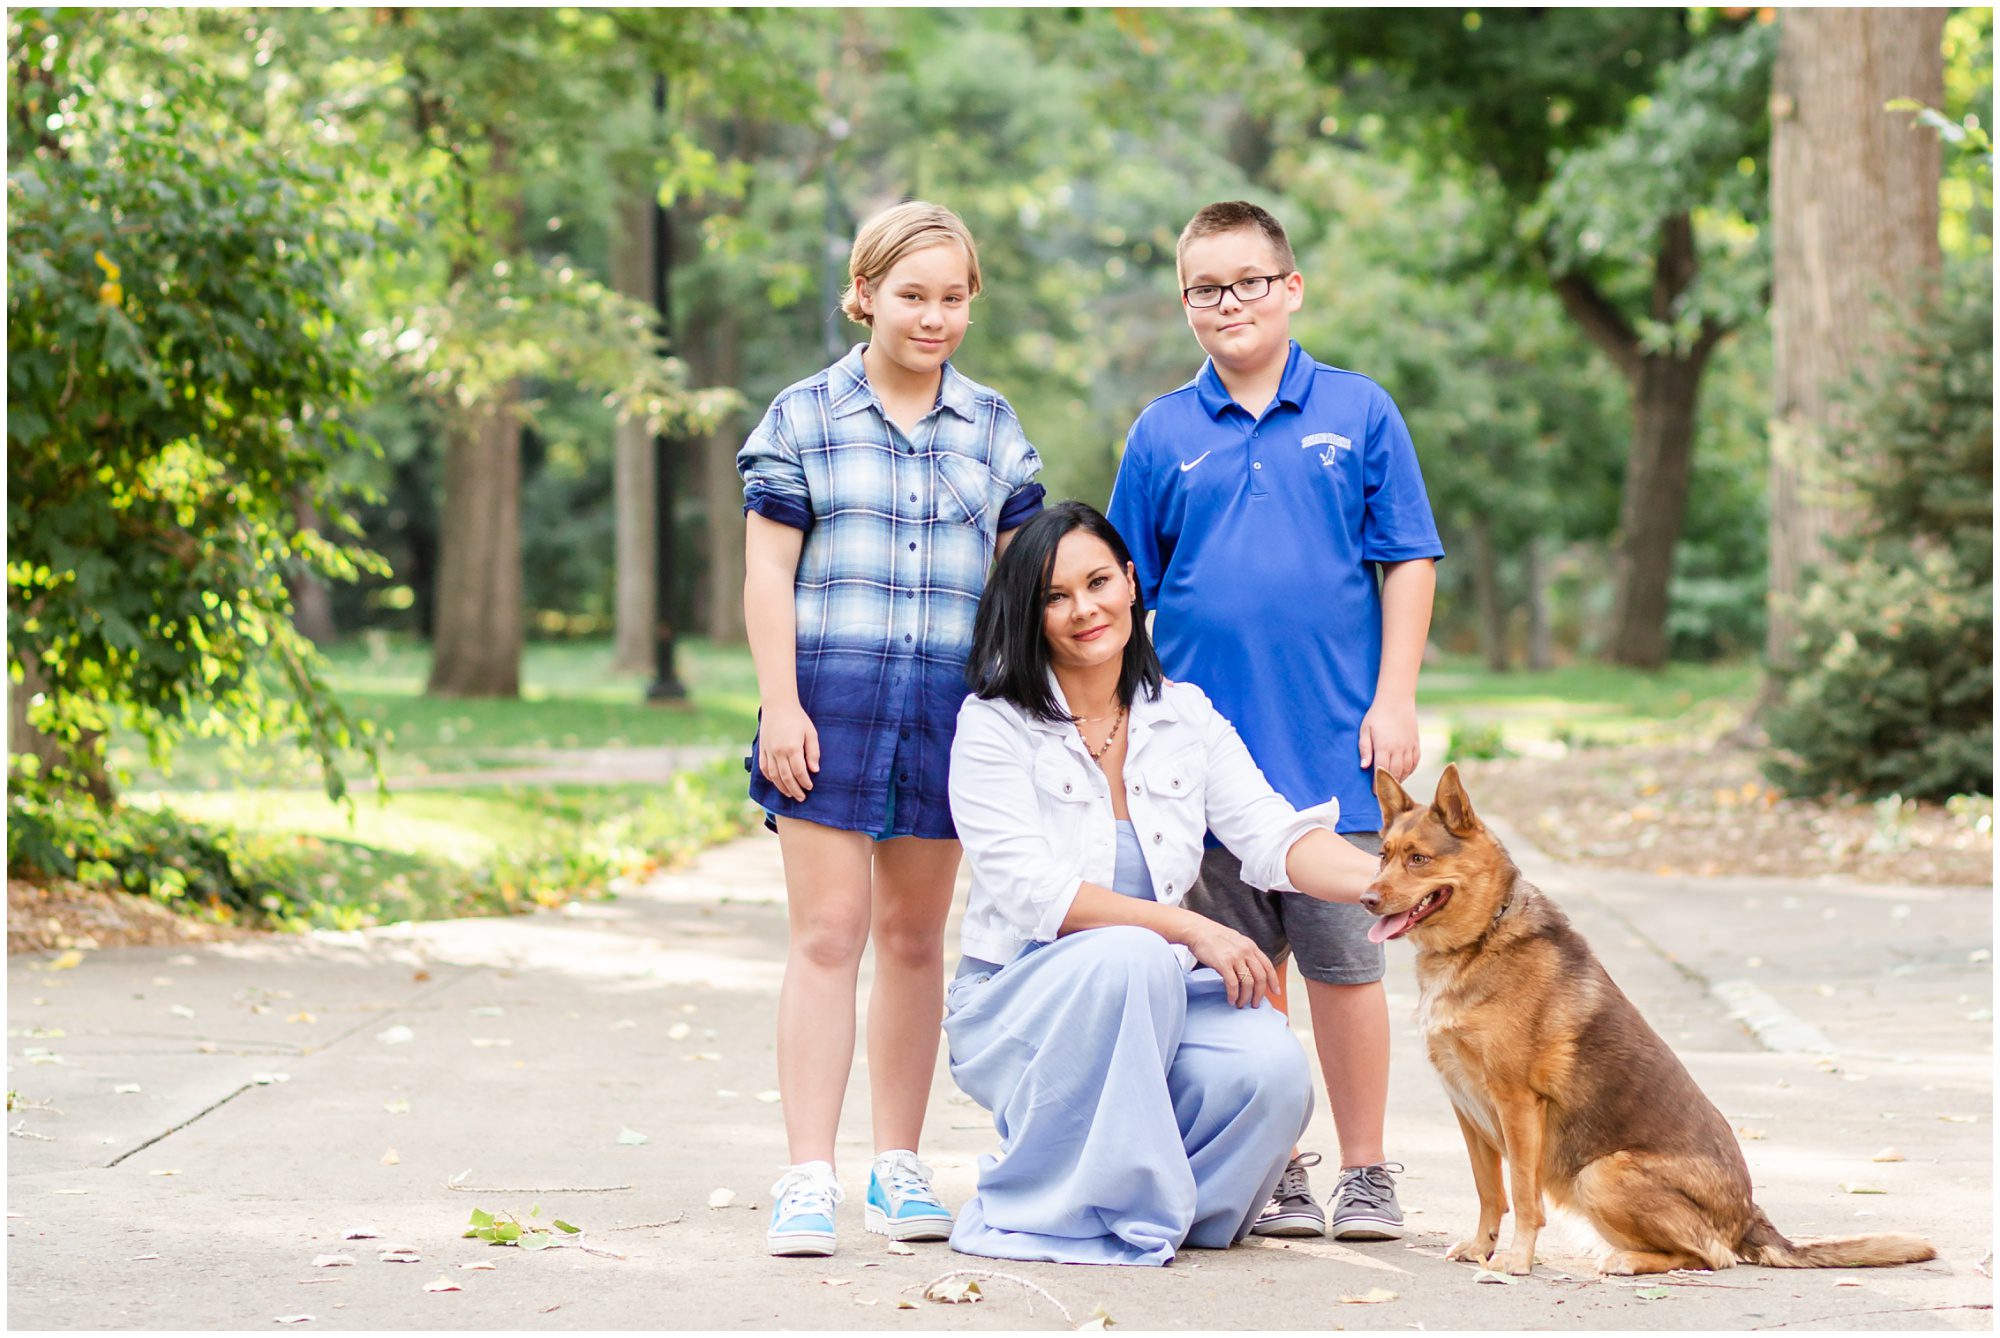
1895, 690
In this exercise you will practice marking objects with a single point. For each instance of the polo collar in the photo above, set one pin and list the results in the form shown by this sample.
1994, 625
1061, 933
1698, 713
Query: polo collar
848, 390
1293, 387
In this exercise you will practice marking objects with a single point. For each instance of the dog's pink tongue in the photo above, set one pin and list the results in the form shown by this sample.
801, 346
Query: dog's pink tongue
1388, 926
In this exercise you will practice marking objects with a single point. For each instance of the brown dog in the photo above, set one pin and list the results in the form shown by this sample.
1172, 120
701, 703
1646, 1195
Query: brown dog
1550, 1066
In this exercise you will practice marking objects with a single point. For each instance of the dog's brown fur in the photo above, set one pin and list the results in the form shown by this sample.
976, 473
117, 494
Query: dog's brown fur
1551, 1069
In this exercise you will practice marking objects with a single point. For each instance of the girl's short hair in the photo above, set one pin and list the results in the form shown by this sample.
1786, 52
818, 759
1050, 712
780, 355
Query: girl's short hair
894, 233
1010, 652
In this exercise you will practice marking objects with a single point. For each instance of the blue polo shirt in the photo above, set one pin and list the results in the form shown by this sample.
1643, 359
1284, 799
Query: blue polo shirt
1255, 540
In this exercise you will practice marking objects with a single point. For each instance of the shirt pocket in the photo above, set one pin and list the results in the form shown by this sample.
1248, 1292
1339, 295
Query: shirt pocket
1065, 799
1173, 817
964, 490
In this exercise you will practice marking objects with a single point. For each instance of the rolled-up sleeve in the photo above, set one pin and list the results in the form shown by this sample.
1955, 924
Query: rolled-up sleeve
1246, 814
1029, 883
1016, 462
774, 482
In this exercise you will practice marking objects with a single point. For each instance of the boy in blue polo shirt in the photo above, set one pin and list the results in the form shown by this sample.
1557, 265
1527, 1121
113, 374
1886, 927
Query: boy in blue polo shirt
1259, 500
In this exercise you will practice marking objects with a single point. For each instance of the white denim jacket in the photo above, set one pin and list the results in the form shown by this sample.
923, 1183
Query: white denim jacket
1034, 812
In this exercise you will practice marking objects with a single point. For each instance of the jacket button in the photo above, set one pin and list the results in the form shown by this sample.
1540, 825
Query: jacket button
1176, 783
1156, 838
1065, 787
1135, 787
1170, 889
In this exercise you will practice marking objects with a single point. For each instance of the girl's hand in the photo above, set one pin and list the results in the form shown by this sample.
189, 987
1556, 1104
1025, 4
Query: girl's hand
1246, 972
788, 750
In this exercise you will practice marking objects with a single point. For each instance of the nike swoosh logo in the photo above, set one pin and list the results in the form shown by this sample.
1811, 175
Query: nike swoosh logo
1186, 465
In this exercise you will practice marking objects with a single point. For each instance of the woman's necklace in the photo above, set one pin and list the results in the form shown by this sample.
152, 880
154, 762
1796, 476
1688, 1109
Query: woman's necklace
1098, 752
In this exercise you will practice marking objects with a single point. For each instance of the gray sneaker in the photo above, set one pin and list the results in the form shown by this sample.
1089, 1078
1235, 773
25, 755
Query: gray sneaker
1292, 1211
1364, 1206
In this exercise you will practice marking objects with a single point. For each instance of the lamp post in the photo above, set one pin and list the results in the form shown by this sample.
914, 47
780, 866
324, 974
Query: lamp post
666, 684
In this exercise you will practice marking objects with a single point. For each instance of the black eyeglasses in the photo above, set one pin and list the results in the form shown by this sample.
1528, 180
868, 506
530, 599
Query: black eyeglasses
1246, 290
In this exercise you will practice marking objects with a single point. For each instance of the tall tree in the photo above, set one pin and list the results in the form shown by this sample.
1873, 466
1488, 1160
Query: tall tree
1627, 144
1854, 218
632, 454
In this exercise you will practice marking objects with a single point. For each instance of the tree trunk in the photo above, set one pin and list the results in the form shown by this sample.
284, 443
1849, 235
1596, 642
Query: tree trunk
312, 601
1541, 642
1486, 597
22, 737
632, 463
1653, 508
479, 611
1854, 220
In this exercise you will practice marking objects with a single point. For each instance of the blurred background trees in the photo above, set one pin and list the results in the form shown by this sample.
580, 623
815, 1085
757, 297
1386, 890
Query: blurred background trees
1555, 236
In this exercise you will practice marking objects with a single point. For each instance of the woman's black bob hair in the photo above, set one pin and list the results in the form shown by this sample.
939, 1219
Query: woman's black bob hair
1010, 654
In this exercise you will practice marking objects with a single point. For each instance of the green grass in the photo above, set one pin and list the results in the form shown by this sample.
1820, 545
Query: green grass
1584, 703
570, 698
466, 848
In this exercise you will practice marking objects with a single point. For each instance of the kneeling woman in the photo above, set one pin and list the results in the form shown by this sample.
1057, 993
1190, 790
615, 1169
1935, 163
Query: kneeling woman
1146, 1095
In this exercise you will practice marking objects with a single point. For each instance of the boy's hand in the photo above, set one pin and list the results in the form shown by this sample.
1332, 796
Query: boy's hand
1389, 738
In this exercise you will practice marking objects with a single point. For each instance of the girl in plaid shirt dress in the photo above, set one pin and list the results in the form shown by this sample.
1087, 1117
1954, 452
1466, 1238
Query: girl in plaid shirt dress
877, 493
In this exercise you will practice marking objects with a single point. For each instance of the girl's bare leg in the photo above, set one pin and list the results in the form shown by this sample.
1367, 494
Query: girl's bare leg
827, 896
913, 887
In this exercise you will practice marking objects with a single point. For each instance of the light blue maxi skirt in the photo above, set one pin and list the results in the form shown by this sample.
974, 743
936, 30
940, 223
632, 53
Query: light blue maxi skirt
1137, 1110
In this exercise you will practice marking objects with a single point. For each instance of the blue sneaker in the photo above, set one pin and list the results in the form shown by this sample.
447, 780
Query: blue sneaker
901, 1203
802, 1211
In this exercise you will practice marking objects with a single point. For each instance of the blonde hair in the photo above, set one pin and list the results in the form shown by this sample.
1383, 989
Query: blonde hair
897, 232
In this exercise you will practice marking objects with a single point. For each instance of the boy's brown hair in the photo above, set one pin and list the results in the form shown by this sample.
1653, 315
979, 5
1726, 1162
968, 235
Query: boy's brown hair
896, 232
1228, 216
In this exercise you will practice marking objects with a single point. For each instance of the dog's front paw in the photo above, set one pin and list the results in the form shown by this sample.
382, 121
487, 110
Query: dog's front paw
1518, 1262
1476, 1251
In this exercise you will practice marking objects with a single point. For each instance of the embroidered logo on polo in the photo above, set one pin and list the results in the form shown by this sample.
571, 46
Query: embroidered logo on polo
1332, 442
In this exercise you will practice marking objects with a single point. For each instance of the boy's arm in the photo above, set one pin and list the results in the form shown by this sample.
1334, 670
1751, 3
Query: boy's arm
1389, 730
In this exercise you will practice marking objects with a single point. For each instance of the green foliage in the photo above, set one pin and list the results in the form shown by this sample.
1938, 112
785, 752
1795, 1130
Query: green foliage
180, 375
1896, 695
507, 1229
1476, 742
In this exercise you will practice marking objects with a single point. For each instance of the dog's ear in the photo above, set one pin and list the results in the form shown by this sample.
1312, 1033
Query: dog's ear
1453, 806
1395, 800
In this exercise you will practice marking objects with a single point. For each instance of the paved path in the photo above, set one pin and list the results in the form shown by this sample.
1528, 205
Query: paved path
286, 1090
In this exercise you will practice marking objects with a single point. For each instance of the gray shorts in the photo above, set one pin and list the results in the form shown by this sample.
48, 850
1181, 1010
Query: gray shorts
1329, 938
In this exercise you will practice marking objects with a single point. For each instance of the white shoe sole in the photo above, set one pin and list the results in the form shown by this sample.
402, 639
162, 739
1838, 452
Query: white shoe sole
1367, 1228
908, 1228
1292, 1224
799, 1244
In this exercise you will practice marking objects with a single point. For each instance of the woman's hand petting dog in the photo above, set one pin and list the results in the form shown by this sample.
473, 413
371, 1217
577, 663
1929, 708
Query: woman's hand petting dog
1246, 972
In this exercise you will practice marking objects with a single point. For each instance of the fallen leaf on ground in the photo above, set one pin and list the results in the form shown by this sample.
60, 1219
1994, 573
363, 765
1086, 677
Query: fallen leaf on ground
1888, 1154
181, 1010
68, 961
142, 1258
302, 1016
459, 1179
836, 1282
401, 1257
897, 1247
125, 1087
396, 1036
1652, 1293
709, 1055
863, 1300
1847, 1282
1855, 1187
400, 1106
175, 1171
481, 1266
208, 1047
1488, 1275
679, 1031
1959, 1119
906, 1305
1752, 1134
291, 1319
360, 1233
390, 1158
333, 1261
954, 1291
767, 1097
441, 1283
266, 1079
1100, 1319
721, 1198
1373, 1296
631, 1137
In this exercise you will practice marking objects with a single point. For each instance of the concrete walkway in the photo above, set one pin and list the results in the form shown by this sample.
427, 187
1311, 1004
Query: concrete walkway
200, 1126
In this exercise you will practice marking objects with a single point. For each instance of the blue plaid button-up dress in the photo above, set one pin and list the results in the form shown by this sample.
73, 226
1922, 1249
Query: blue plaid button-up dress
899, 535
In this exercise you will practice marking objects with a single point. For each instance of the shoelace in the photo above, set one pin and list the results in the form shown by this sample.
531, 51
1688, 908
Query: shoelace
1293, 1183
907, 1177
801, 1192
1371, 1184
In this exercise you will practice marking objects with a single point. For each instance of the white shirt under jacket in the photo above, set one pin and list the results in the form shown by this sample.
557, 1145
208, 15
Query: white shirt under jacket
1034, 812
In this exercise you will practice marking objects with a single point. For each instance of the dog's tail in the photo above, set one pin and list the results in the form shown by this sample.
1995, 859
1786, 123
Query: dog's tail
1765, 1244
